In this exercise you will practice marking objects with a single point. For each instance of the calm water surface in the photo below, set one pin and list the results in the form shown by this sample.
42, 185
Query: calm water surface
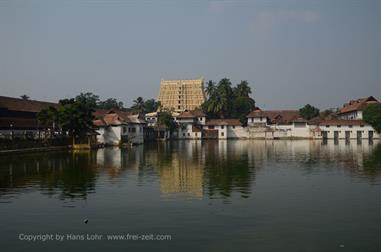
209, 196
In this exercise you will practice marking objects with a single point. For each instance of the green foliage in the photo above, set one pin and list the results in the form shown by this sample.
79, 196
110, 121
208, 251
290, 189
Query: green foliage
165, 119
73, 115
372, 115
328, 114
110, 103
225, 101
24, 97
308, 112
142, 106
48, 117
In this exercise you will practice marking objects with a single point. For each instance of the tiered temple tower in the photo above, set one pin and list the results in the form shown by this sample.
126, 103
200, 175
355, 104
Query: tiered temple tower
181, 95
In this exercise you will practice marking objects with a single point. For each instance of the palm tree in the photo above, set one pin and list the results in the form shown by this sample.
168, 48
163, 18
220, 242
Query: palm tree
139, 105
24, 97
243, 89
210, 88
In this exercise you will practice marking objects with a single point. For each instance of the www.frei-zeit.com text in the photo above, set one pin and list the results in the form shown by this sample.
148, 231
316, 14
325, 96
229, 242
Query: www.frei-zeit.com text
93, 237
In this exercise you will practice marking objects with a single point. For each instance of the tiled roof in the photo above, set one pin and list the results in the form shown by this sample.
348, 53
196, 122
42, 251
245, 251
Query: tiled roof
231, 122
358, 104
277, 116
185, 114
18, 104
116, 118
134, 119
99, 113
19, 123
191, 114
99, 122
113, 119
341, 122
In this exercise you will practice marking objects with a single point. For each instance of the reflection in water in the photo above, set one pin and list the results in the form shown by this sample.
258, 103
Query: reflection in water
70, 175
183, 169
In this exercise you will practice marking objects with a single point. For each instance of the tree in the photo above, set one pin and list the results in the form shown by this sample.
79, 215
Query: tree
308, 112
89, 98
328, 114
242, 89
151, 105
74, 115
165, 119
225, 101
138, 105
110, 103
24, 97
48, 117
210, 88
372, 115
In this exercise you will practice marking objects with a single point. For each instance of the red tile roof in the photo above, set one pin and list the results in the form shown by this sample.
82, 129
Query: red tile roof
191, 114
276, 116
99, 113
116, 118
230, 122
185, 115
18, 104
341, 122
358, 104
19, 123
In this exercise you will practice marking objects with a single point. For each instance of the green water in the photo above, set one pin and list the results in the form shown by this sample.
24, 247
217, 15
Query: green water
205, 196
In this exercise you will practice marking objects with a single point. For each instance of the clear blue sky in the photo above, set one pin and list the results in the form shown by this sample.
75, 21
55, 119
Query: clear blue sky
291, 52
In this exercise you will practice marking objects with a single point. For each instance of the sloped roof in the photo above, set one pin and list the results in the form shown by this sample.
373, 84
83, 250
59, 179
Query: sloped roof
342, 122
99, 122
19, 123
185, 114
18, 104
358, 104
99, 113
191, 114
116, 118
112, 119
276, 116
221, 122
134, 119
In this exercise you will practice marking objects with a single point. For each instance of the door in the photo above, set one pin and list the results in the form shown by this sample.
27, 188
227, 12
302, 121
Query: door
359, 135
370, 134
336, 135
324, 135
347, 135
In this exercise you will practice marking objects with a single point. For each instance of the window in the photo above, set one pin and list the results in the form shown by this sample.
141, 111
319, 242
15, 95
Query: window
222, 134
195, 134
339, 126
188, 134
183, 134
350, 126
327, 126
124, 130
233, 127
222, 126
178, 107
361, 126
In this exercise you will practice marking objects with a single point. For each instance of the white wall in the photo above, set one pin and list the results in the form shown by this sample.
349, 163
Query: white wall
135, 136
185, 132
352, 131
237, 132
